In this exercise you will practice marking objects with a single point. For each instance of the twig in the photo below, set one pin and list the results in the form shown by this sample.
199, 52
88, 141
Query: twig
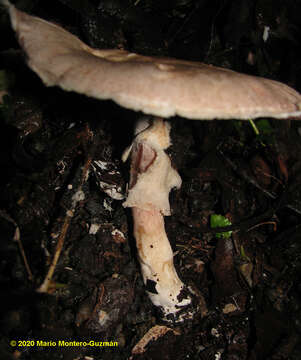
17, 237
45, 285
69, 215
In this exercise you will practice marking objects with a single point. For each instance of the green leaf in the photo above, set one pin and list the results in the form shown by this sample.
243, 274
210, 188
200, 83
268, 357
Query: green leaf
264, 126
220, 221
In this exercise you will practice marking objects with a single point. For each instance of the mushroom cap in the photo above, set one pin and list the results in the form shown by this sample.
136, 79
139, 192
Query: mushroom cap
157, 86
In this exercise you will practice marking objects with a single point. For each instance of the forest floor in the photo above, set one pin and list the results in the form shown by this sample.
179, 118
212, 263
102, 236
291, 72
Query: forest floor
246, 277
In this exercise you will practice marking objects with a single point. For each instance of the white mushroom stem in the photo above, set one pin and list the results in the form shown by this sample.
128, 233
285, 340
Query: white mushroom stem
152, 177
156, 259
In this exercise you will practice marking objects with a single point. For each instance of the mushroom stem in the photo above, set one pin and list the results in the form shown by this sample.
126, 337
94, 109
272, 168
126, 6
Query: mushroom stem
159, 274
152, 177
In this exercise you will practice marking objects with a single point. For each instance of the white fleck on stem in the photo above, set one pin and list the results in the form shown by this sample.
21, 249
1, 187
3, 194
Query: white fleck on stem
152, 178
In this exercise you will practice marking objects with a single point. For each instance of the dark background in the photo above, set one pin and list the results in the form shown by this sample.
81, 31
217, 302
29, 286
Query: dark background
97, 292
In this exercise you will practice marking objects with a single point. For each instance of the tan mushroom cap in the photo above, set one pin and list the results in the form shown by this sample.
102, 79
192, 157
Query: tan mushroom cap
158, 86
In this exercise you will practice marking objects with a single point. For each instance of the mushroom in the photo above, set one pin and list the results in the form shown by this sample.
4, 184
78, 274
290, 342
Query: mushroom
157, 86
152, 178
160, 87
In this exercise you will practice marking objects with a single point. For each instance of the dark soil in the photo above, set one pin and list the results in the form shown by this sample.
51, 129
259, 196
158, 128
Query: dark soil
248, 284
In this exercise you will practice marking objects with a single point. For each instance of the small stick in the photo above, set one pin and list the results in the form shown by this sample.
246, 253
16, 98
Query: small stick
17, 237
45, 285
69, 214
